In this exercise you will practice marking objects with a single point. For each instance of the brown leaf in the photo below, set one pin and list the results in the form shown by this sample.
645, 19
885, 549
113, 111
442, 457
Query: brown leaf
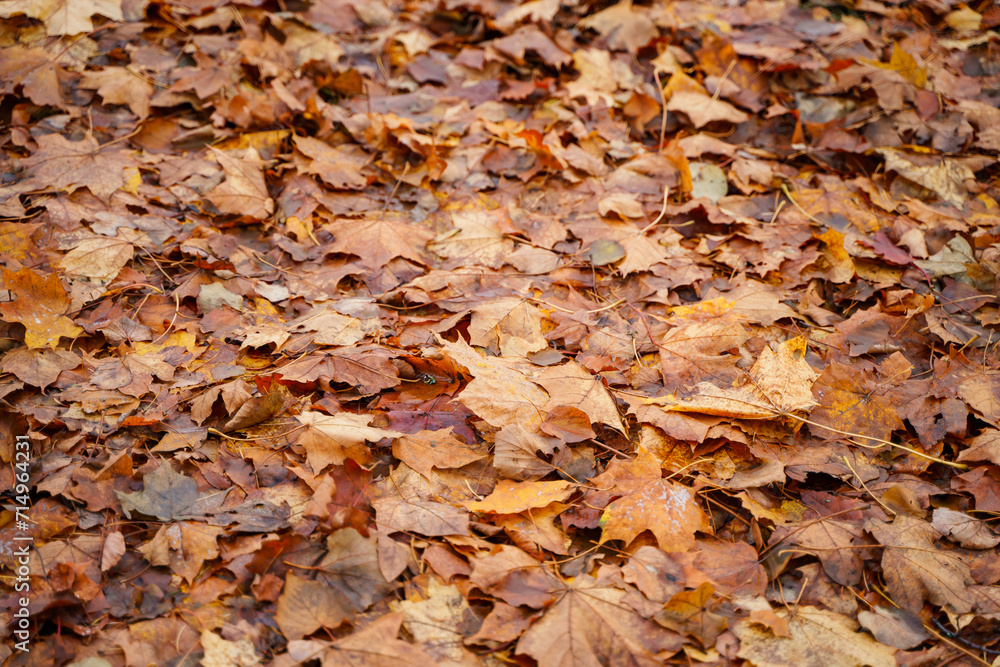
167, 495
306, 606
332, 439
40, 304
778, 384
571, 385
425, 450
380, 239
439, 622
375, 645
624, 27
513, 576
64, 17
63, 164
894, 627
244, 191
513, 497
853, 402
916, 570
119, 85
649, 502
351, 567
183, 547
39, 368
590, 625
502, 392
512, 324
818, 638
338, 166
969, 532
114, 549
35, 71
423, 517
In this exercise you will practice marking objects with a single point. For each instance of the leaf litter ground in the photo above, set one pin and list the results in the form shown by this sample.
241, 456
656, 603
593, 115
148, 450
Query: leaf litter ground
548, 333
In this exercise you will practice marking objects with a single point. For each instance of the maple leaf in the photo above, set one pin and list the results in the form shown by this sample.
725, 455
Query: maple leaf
649, 502
332, 439
99, 258
778, 384
512, 323
244, 191
39, 368
305, 606
338, 166
351, 567
168, 495
439, 622
426, 450
853, 402
378, 240
183, 547
63, 164
501, 391
589, 625
219, 651
119, 85
369, 370
969, 532
421, 516
513, 576
571, 385
624, 27
41, 305
512, 497
375, 645
916, 570
818, 637
35, 71
835, 543
517, 453
63, 17
477, 241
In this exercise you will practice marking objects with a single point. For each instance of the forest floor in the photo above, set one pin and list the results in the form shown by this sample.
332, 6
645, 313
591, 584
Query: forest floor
477, 333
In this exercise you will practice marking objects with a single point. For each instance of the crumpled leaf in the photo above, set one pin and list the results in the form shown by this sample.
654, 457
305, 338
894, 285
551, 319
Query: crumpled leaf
779, 383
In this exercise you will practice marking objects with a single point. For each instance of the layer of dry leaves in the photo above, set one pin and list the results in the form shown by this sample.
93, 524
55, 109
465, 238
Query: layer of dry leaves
482, 333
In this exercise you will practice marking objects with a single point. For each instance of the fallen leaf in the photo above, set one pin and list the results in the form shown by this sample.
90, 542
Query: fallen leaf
649, 502
423, 517
62, 164
40, 304
501, 392
513, 497
378, 240
63, 17
589, 625
818, 638
971, 533
916, 570
305, 606
426, 450
244, 191
99, 258
119, 85
39, 368
168, 496
332, 439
